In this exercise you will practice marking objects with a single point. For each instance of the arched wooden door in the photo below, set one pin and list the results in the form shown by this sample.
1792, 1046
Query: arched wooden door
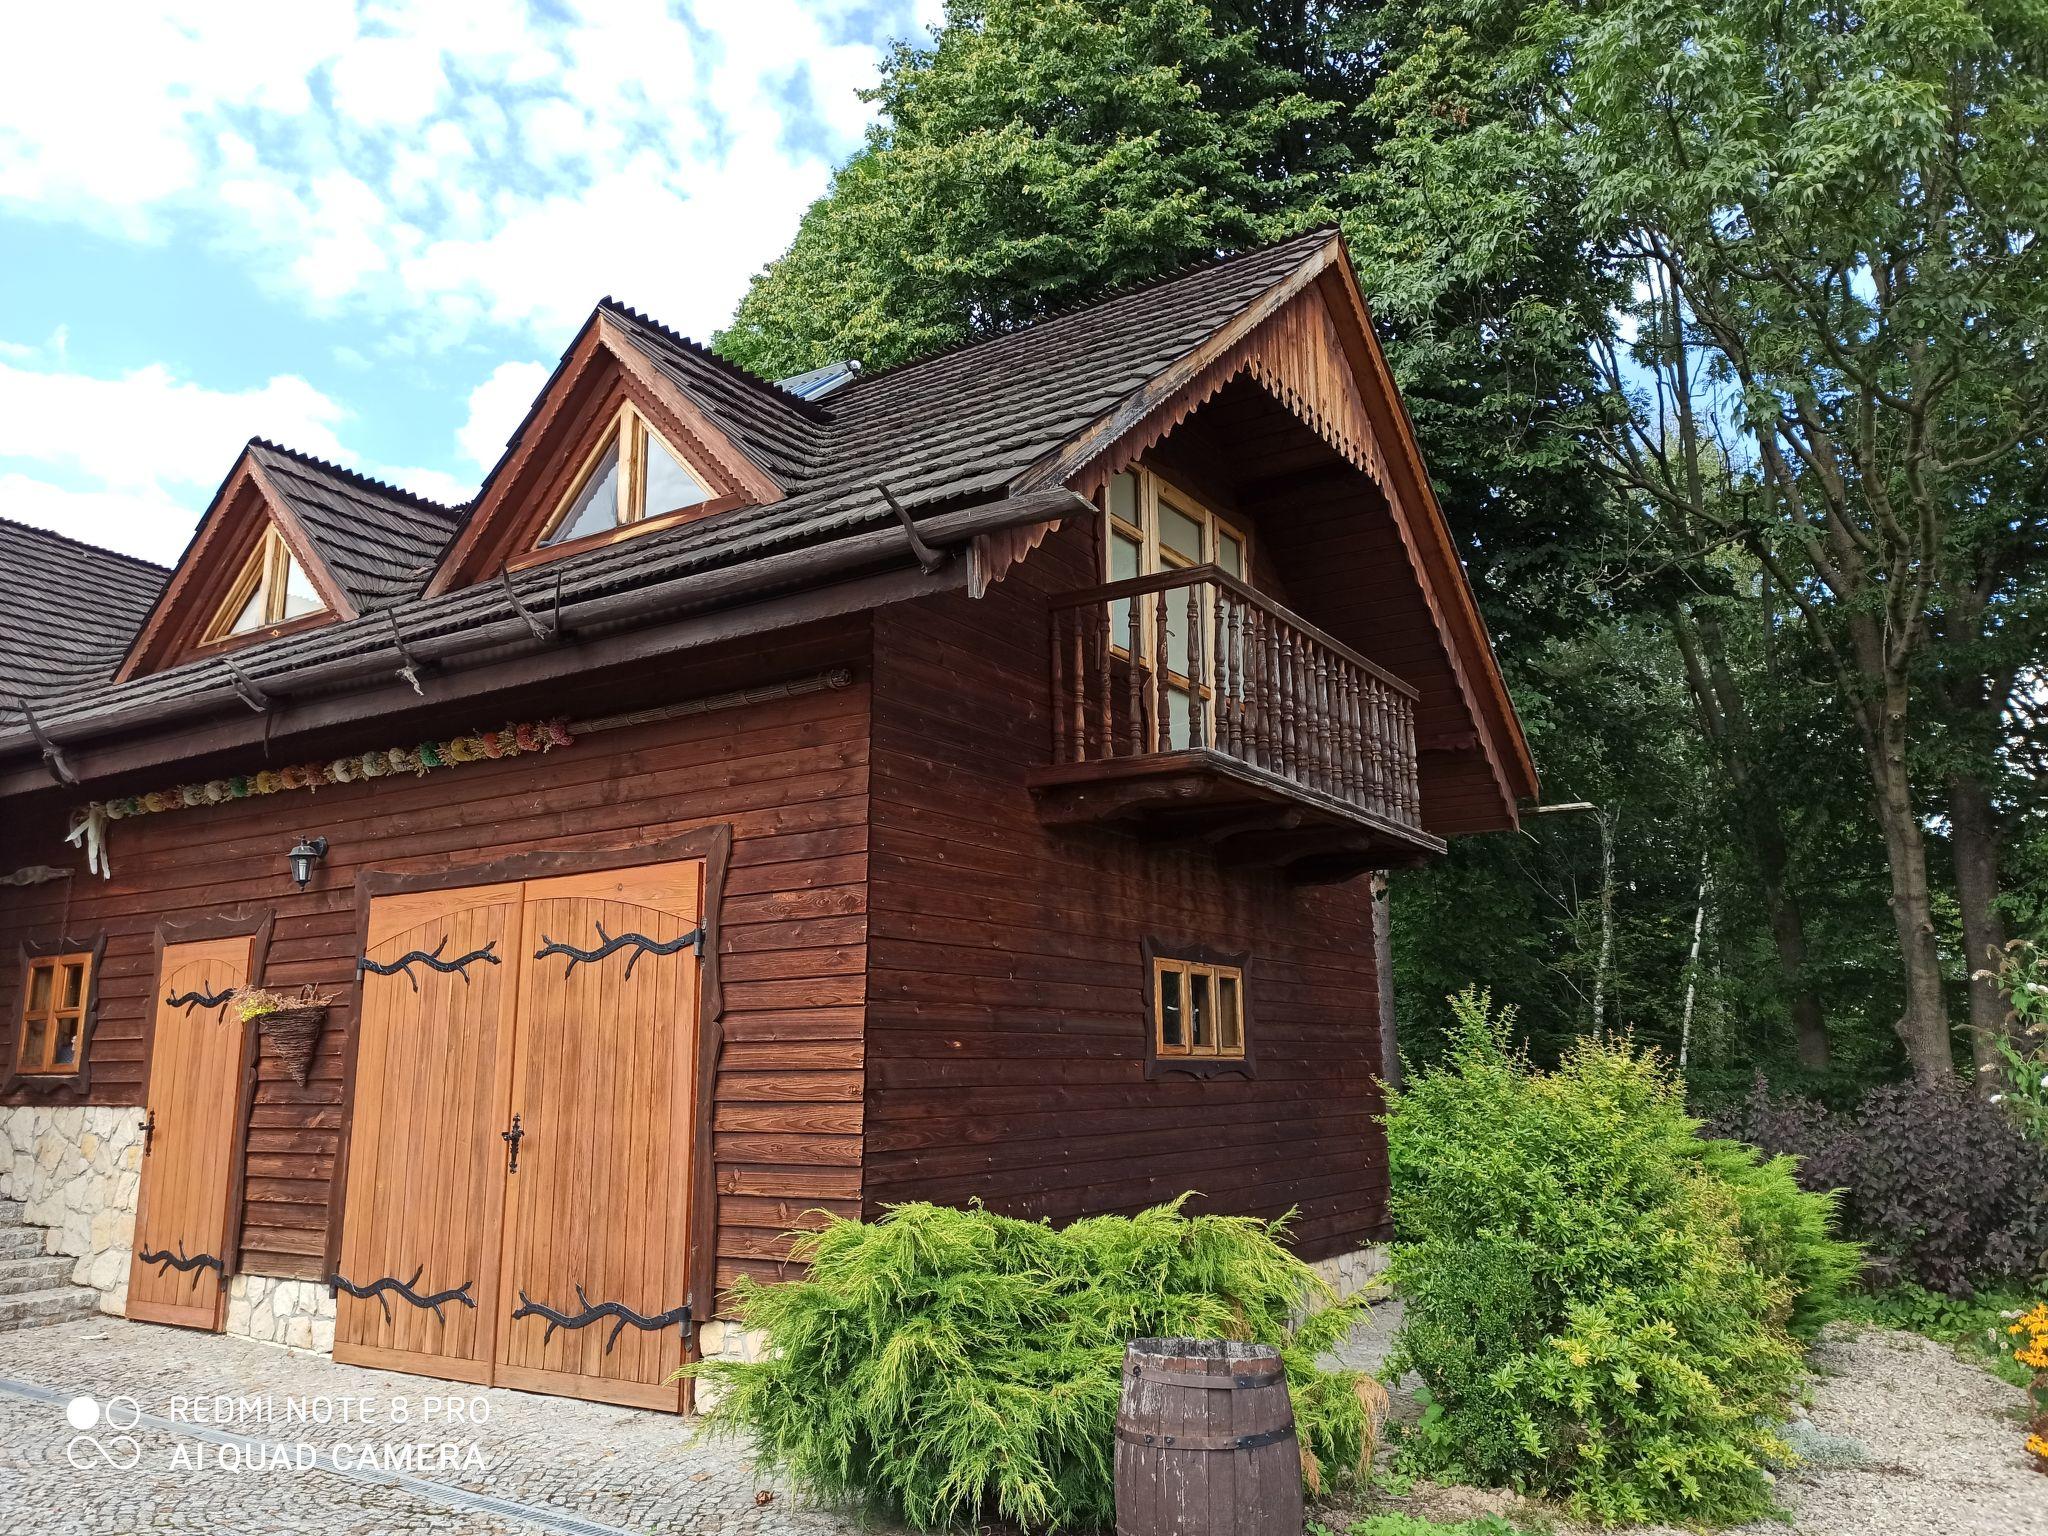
417, 1280
178, 1270
596, 1281
517, 1200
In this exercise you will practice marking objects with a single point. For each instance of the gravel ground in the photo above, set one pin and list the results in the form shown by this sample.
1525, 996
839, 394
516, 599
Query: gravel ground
1903, 1438
1941, 1443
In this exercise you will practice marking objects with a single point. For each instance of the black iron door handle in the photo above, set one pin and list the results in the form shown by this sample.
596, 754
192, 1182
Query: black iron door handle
512, 1139
148, 1131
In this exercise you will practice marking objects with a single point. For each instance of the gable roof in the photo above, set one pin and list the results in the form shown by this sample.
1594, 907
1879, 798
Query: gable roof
961, 436
67, 609
378, 543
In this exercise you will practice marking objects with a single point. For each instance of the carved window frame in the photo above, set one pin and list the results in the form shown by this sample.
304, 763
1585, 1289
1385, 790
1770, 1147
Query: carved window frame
74, 1082
1185, 960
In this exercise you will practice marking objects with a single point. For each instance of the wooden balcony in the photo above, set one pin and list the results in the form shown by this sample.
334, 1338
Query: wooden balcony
1188, 705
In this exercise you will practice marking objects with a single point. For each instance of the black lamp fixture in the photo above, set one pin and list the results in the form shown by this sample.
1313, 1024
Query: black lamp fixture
305, 853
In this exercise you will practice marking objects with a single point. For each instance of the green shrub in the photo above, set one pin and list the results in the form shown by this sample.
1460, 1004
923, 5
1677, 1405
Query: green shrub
1597, 1299
949, 1366
1789, 1231
1412, 1525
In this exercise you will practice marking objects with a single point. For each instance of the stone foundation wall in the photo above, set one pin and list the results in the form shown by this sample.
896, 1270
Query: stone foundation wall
1352, 1272
296, 1313
721, 1340
76, 1169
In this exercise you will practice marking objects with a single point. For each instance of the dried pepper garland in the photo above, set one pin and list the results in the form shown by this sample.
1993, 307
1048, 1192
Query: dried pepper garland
88, 826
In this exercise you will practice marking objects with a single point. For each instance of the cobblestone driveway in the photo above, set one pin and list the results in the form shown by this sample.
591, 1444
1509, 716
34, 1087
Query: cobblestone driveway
532, 1465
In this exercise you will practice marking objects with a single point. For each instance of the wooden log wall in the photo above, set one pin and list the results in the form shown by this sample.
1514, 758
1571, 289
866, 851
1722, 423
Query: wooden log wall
791, 777
1006, 1029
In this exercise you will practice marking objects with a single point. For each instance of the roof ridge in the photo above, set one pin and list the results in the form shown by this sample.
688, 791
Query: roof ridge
1097, 301
368, 482
808, 409
77, 543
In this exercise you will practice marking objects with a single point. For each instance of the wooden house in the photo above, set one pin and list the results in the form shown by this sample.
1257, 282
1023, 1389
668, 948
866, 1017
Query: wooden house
960, 781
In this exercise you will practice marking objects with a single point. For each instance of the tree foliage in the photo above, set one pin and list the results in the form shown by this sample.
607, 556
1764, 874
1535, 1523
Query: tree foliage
1721, 326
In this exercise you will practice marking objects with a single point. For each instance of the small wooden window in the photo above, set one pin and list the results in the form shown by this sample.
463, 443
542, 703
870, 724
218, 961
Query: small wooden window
271, 588
631, 477
1198, 1004
56, 998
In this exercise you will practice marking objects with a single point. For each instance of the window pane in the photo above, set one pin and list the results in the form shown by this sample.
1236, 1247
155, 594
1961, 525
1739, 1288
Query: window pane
251, 616
73, 992
1229, 1016
1172, 1033
1180, 533
39, 980
65, 1053
1177, 629
299, 596
670, 485
1124, 553
33, 1043
1123, 498
1230, 553
1201, 1014
596, 508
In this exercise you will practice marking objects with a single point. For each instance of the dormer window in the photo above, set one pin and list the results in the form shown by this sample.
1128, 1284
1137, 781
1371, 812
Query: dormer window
271, 589
631, 477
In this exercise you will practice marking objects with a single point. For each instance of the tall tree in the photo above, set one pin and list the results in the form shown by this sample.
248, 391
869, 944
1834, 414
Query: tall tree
1845, 207
1039, 152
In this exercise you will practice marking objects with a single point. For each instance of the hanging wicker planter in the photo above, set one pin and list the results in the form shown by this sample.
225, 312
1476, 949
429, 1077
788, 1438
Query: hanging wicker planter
292, 1025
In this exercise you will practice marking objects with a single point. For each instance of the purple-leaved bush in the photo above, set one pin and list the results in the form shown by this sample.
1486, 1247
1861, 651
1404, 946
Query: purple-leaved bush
1944, 1188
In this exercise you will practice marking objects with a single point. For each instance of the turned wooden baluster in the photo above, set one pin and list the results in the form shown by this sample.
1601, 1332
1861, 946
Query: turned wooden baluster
1408, 761
1347, 729
1162, 693
1105, 705
1257, 691
1137, 727
1289, 701
1326, 720
1198, 711
1388, 793
1080, 689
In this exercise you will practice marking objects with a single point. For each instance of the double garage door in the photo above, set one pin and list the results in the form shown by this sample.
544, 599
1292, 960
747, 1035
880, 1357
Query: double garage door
519, 1173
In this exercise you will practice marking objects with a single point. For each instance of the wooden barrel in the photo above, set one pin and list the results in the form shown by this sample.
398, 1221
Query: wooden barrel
1205, 1441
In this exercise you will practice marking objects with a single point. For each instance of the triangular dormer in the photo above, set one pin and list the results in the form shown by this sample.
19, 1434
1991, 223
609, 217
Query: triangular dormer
272, 590
250, 573
638, 429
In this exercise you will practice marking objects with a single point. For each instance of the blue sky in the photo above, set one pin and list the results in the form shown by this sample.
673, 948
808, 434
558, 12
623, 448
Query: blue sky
368, 229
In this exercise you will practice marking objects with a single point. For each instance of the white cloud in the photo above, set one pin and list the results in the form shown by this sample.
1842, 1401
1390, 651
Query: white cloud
131, 461
146, 523
439, 168
496, 407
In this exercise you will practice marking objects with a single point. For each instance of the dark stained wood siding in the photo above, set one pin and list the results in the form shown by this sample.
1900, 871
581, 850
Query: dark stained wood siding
790, 776
1006, 1035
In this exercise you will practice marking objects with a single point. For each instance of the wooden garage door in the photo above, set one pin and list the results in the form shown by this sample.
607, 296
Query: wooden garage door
426, 1187
178, 1271
597, 1223
521, 1135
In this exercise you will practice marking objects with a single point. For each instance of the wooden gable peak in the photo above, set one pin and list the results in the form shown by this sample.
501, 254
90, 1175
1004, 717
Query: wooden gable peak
1308, 341
602, 380
249, 546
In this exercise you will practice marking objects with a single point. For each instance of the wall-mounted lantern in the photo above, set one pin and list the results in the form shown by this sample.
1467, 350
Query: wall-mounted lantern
304, 855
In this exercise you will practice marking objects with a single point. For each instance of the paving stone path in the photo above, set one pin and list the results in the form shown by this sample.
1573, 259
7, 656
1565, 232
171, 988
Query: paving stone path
513, 1465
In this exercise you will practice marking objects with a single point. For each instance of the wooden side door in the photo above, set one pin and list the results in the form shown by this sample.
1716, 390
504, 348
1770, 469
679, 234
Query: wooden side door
178, 1273
417, 1285
596, 1275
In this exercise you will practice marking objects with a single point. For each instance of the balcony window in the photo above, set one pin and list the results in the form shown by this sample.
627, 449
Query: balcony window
1154, 526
